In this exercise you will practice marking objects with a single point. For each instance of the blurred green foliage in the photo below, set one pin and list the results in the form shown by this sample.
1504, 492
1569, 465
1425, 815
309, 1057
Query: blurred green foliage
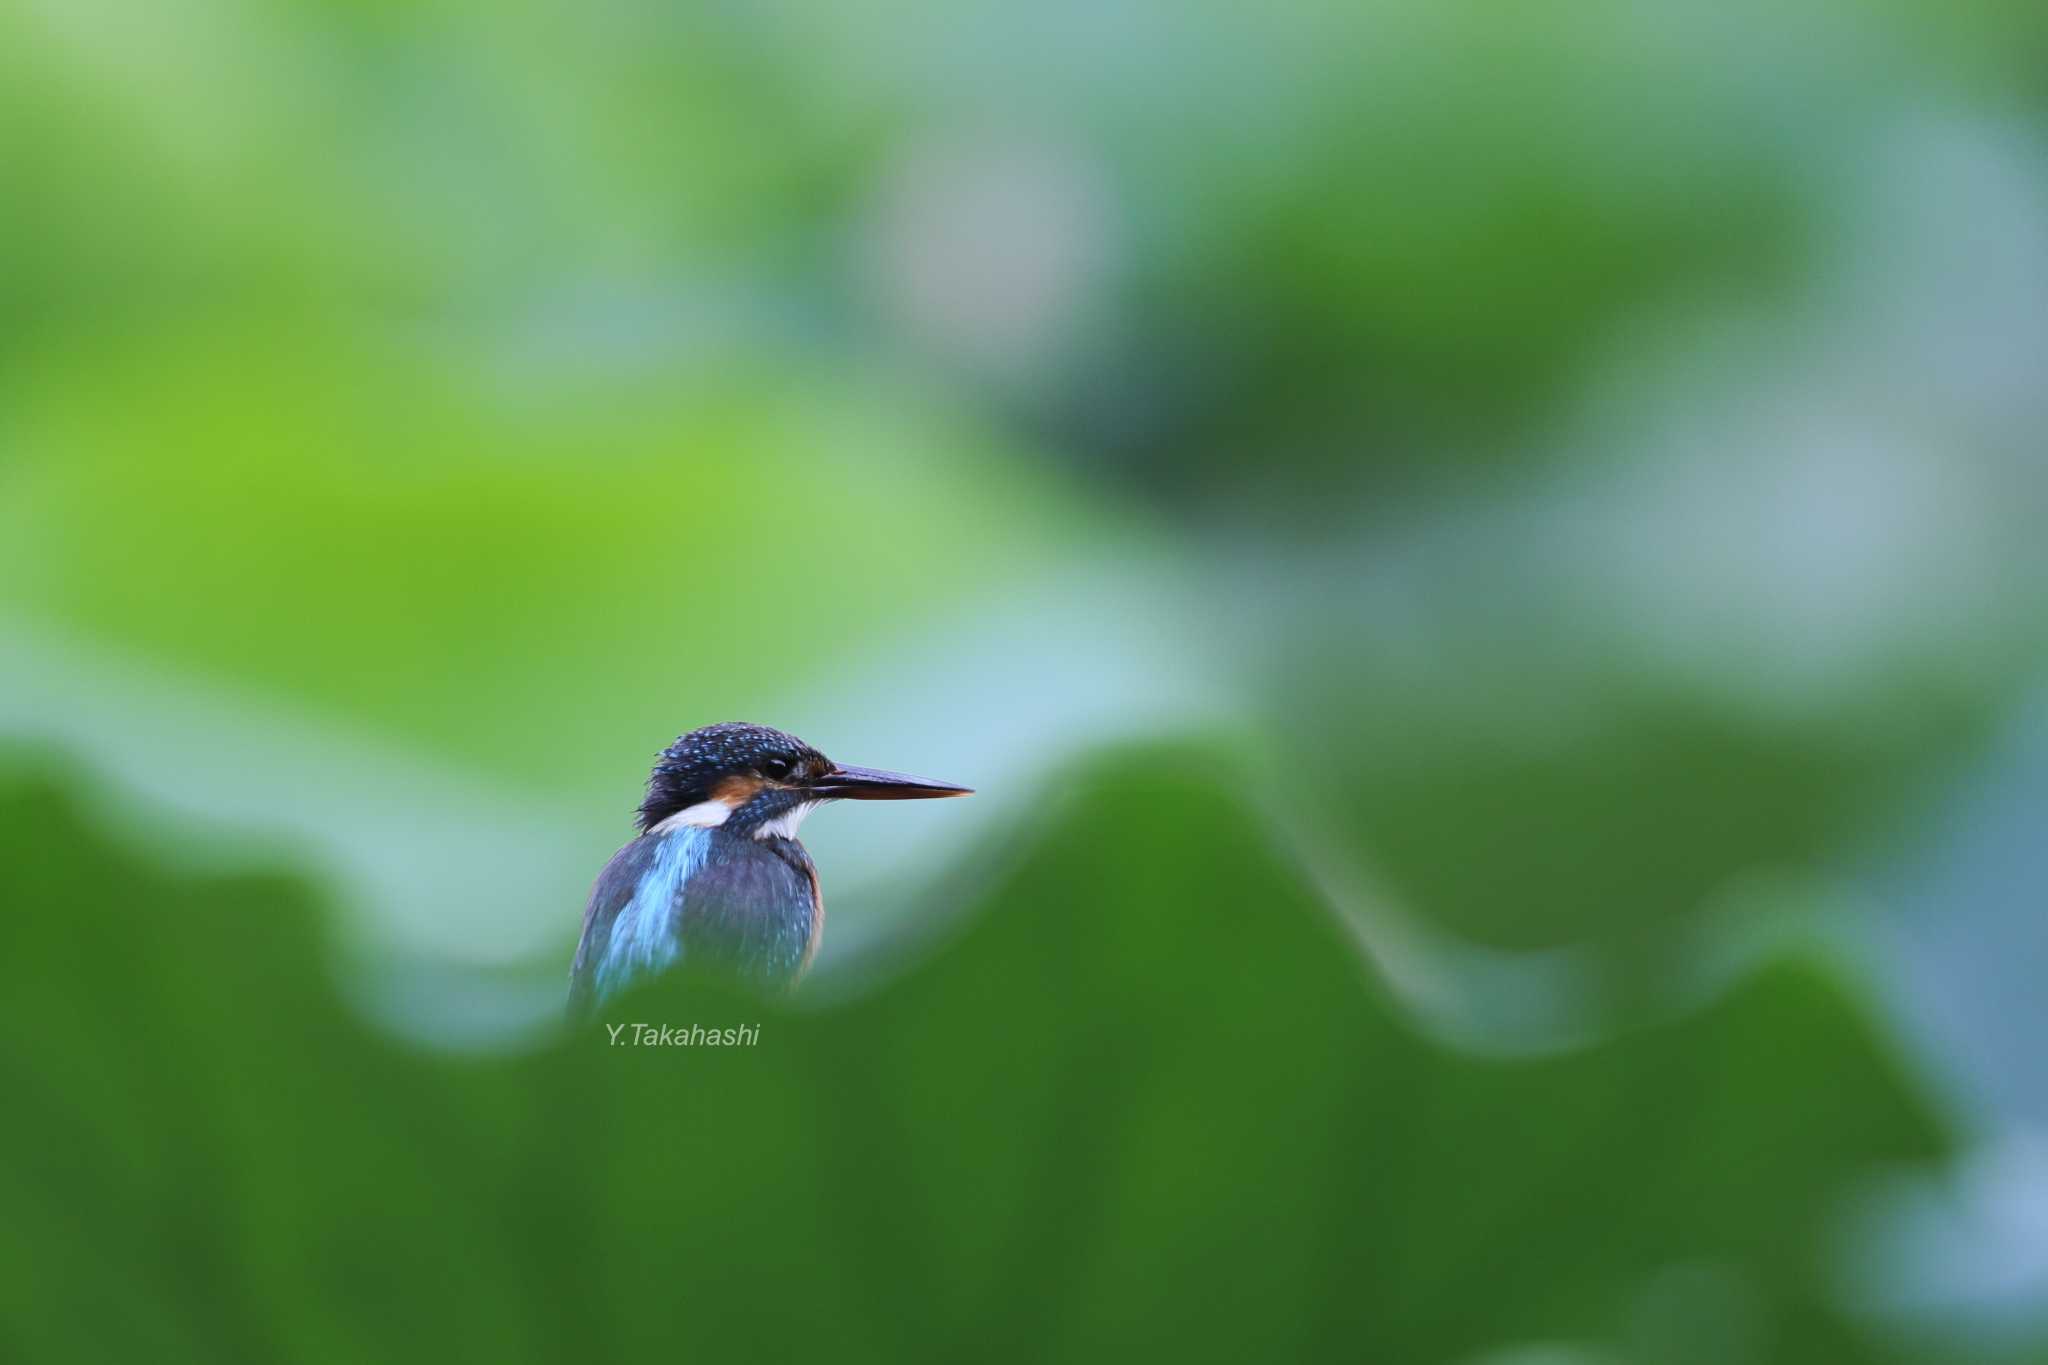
375, 535
1596, 803
1190, 1128
1578, 452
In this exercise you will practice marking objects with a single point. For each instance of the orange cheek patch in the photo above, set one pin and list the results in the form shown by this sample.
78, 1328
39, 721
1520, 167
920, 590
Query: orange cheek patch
737, 790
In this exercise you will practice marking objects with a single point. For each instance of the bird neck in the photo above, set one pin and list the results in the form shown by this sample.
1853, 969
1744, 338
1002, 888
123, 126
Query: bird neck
771, 813
775, 813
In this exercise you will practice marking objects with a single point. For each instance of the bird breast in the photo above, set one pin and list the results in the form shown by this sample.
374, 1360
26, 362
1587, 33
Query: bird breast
711, 899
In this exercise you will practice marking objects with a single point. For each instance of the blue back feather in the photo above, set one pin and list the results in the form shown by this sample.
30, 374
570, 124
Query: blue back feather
646, 936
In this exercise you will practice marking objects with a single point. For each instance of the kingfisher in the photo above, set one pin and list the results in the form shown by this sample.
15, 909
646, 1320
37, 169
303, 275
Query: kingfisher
716, 878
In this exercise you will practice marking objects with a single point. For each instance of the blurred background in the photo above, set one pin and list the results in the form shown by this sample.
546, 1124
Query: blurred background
1551, 495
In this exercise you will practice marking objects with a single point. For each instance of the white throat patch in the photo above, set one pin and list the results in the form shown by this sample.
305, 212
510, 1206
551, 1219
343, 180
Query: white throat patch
784, 826
703, 815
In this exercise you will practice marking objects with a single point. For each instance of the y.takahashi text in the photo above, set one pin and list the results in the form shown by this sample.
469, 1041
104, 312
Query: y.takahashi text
679, 1035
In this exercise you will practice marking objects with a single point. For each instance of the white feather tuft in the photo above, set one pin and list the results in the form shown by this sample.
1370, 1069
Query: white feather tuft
703, 815
784, 826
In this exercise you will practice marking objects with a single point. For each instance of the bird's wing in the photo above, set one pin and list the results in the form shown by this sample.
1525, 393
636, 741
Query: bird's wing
616, 888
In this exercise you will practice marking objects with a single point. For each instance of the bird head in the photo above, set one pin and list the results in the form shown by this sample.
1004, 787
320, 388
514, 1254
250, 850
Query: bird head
752, 779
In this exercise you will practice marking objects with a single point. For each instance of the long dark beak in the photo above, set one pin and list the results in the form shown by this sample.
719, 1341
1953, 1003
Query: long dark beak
872, 784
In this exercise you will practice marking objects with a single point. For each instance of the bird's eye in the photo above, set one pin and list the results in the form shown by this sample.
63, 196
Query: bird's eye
775, 767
